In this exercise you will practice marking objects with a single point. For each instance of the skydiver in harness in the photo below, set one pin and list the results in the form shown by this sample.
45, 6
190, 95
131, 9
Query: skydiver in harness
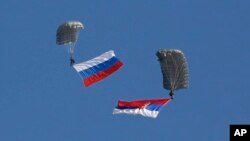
171, 94
72, 61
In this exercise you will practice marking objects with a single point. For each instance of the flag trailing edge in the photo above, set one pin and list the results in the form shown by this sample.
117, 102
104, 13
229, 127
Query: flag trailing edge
98, 68
147, 108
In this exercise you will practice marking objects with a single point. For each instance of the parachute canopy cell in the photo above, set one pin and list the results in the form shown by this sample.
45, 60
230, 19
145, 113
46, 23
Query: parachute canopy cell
67, 33
174, 69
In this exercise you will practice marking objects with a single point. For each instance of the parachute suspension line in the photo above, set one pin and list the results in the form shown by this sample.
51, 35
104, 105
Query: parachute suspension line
72, 47
171, 93
71, 52
180, 70
167, 76
175, 72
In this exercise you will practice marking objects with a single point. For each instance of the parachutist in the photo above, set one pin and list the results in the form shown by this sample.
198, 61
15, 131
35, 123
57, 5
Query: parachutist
174, 69
67, 35
171, 94
72, 61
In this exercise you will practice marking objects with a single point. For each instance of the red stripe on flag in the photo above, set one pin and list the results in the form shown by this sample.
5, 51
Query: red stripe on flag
102, 74
141, 103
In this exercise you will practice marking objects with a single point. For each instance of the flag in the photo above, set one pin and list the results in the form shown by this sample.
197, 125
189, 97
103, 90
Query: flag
147, 108
98, 68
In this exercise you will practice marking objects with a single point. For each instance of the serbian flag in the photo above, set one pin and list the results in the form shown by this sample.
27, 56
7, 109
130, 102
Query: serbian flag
147, 108
98, 68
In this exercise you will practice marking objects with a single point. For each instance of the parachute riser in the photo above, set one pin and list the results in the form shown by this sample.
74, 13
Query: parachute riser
71, 53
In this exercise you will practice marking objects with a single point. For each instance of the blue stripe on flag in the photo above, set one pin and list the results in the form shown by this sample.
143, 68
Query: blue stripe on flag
154, 107
100, 67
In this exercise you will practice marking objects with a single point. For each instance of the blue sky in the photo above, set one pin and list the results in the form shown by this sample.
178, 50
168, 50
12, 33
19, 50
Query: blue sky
43, 99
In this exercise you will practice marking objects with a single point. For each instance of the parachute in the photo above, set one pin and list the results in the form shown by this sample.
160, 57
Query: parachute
67, 34
174, 69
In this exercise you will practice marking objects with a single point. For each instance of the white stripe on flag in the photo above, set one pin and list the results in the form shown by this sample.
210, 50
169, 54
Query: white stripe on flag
95, 61
144, 112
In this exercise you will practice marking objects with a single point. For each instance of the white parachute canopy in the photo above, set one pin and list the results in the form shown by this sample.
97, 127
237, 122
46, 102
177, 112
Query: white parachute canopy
67, 35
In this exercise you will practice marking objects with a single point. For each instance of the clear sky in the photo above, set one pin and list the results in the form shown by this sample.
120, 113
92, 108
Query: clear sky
43, 99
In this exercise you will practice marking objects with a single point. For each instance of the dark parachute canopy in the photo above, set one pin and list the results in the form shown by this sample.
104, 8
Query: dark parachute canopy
174, 69
67, 34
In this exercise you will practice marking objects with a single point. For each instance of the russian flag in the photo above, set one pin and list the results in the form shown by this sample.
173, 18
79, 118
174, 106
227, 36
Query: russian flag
147, 108
98, 68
